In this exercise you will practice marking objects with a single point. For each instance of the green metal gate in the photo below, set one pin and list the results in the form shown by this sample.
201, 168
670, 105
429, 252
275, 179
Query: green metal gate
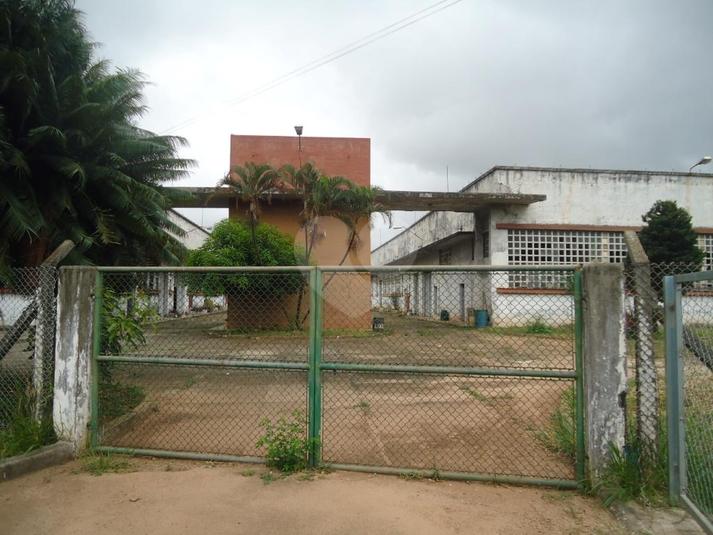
689, 392
466, 372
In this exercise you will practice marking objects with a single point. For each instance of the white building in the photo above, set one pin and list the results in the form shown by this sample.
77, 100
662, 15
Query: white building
582, 219
194, 236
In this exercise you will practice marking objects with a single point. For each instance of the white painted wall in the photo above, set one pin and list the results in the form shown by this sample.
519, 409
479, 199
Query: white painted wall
11, 306
195, 235
574, 197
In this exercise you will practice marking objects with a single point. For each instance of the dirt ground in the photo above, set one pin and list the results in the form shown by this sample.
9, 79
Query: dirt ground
180, 497
434, 422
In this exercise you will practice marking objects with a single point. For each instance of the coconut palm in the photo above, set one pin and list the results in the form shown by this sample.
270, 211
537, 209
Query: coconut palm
252, 183
337, 197
73, 162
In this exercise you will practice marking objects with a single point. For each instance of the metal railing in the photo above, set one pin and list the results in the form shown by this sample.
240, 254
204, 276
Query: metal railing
440, 370
689, 393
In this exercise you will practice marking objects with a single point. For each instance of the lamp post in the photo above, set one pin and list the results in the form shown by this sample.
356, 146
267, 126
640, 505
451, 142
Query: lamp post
704, 161
298, 131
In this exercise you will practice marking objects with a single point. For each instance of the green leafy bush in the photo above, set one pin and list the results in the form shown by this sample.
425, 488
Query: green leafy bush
231, 244
125, 318
286, 444
123, 324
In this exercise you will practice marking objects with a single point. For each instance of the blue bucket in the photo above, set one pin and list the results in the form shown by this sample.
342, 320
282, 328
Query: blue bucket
481, 318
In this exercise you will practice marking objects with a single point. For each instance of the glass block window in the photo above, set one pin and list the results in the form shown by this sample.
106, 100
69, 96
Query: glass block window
705, 242
529, 247
562, 247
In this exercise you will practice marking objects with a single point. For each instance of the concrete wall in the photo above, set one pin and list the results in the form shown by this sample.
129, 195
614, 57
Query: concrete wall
11, 306
432, 228
194, 236
596, 198
574, 197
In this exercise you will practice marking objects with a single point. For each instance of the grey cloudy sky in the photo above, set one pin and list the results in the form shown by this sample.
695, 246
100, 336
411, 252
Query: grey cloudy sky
613, 84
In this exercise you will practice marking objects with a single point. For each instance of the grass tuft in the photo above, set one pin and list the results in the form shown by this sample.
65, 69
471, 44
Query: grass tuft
22, 432
560, 434
101, 463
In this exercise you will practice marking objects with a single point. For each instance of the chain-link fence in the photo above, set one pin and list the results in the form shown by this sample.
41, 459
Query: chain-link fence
455, 371
645, 337
27, 327
689, 344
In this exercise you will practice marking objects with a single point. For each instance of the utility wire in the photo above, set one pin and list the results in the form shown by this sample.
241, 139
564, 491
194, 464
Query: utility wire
332, 56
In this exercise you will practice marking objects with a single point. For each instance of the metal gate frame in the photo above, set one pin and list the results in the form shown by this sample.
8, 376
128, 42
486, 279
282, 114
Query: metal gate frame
315, 366
675, 416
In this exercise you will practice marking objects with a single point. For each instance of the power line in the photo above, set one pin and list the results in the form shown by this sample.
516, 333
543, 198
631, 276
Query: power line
332, 56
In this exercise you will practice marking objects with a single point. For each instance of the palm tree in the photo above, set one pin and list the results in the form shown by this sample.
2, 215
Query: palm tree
334, 196
252, 183
73, 162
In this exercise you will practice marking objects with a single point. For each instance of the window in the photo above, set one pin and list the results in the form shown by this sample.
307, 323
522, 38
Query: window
486, 244
529, 247
705, 242
558, 247
444, 257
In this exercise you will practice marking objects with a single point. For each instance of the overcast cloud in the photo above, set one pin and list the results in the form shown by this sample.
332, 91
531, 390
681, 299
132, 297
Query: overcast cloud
554, 83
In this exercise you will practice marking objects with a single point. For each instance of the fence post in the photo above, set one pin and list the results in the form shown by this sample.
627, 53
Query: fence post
604, 361
647, 395
314, 373
674, 327
580, 454
73, 349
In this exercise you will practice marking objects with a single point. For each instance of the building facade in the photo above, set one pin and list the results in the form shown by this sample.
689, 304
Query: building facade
582, 219
347, 302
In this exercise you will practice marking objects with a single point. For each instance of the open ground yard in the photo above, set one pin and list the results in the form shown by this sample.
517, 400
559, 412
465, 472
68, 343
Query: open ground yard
180, 497
494, 425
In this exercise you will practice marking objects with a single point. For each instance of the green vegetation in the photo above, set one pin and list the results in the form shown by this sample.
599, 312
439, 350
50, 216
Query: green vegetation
363, 406
668, 235
232, 243
123, 327
74, 162
538, 326
124, 323
24, 432
97, 463
560, 434
116, 399
286, 444
633, 474
699, 444
20, 431
535, 328
475, 394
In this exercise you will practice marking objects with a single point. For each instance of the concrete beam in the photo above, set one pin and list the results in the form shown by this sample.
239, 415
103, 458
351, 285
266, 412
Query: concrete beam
604, 363
420, 201
73, 351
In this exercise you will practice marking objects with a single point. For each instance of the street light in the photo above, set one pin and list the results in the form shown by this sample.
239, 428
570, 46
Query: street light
298, 131
704, 161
